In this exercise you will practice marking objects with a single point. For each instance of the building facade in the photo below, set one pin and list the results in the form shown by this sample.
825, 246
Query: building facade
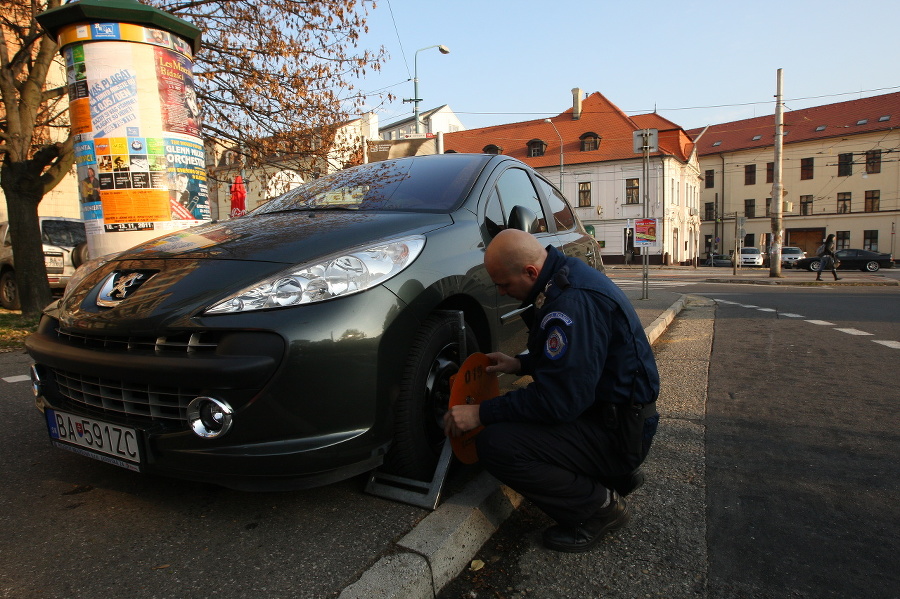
588, 153
840, 173
431, 122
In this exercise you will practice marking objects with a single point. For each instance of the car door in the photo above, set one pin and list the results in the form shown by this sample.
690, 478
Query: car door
848, 258
510, 188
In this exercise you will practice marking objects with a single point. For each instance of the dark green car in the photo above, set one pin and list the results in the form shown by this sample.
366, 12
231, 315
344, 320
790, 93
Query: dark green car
307, 342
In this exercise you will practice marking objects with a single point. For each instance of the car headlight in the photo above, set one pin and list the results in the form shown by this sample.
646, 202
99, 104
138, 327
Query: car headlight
334, 276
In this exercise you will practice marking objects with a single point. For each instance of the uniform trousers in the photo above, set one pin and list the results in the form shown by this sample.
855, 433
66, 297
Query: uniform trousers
558, 467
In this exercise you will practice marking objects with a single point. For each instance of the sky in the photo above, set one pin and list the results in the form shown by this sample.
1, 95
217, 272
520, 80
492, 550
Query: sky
696, 62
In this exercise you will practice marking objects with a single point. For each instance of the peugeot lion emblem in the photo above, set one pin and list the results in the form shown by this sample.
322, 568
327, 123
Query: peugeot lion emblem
118, 286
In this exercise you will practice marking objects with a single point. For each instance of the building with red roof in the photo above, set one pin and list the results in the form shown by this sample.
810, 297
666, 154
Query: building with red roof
840, 173
588, 151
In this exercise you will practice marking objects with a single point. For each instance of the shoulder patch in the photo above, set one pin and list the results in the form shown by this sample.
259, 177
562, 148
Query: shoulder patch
556, 345
556, 316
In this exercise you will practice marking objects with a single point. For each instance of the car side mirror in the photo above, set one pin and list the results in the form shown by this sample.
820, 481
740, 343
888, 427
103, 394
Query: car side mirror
522, 218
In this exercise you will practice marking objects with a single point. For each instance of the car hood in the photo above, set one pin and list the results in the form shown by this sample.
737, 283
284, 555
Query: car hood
194, 268
286, 237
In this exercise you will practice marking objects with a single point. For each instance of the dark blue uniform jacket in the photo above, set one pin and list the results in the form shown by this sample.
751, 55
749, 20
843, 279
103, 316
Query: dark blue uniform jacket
585, 345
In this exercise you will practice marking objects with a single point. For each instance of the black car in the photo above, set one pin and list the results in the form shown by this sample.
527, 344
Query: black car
304, 343
852, 260
718, 260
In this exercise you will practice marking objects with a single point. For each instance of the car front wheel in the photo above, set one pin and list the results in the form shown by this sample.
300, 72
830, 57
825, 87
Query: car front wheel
9, 293
872, 266
424, 397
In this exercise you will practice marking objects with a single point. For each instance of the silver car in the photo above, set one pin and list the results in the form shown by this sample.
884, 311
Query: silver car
789, 255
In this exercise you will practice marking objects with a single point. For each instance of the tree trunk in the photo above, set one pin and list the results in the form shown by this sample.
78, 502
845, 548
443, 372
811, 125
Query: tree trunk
24, 191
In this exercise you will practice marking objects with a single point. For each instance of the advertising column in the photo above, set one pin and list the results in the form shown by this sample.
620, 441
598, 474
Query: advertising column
134, 114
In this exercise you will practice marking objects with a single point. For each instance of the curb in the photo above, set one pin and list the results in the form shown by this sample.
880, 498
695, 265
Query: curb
812, 283
444, 542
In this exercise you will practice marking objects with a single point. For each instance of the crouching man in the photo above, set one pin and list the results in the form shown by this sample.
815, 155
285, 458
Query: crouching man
572, 440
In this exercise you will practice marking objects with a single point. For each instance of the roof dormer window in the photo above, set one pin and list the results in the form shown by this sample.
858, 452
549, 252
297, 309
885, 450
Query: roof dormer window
536, 147
492, 149
590, 141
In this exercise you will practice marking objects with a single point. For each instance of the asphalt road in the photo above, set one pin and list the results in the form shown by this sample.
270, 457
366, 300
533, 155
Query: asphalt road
797, 490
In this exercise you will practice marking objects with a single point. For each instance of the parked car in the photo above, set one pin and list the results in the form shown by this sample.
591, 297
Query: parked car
65, 248
718, 260
852, 260
751, 256
790, 255
304, 343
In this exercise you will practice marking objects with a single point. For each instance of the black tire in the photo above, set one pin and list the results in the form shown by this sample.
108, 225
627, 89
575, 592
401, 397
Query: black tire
813, 266
424, 396
79, 254
872, 266
9, 293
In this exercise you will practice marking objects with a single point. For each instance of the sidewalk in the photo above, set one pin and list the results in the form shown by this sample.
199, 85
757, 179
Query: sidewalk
445, 541
761, 276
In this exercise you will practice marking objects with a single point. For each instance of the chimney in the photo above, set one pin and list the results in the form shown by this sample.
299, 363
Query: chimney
576, 103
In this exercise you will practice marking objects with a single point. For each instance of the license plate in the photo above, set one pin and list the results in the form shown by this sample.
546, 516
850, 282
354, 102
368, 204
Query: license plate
96, 439
51, 261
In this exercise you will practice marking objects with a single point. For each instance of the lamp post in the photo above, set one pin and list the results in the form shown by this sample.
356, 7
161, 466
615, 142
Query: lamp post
416, 99
560, 151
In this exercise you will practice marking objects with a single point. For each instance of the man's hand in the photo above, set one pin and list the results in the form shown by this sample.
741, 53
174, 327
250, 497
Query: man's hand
461, 419
503, 363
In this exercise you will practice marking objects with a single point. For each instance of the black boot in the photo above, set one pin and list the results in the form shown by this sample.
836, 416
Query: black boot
819, 277
836, 278
583, 536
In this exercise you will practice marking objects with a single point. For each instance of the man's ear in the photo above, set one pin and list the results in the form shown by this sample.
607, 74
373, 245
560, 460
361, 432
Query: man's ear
532, 272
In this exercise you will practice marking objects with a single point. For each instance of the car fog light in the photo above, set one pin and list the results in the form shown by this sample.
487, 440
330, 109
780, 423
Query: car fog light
208, 417
37, 387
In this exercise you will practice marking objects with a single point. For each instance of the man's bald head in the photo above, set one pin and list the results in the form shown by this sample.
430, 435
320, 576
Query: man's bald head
514, 260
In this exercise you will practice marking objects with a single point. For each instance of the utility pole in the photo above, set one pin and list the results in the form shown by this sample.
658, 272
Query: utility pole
777, 187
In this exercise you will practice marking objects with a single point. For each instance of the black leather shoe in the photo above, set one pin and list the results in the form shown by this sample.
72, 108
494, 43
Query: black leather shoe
574, 539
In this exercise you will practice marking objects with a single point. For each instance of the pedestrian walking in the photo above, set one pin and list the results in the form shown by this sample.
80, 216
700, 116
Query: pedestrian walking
827, 259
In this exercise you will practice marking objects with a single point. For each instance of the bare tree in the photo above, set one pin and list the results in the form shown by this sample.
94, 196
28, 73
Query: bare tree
271, 75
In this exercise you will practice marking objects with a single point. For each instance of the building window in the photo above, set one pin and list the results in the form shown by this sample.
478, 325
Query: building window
710, 179
590, 141
536, 148
584, 194
750, 240
845, 165
873, 162
749, 208
749, 174
709, 211
870, 240
632, 191
843, 202
770, 172
768, 207
843, 240
873, 200
492, 149
806, 205
806, 168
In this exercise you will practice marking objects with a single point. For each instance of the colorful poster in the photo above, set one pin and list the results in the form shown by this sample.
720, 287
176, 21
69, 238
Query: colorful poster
645, 232
139, 156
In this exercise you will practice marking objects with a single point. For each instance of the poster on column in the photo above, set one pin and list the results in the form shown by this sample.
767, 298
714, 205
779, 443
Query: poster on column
645, 232
139, 156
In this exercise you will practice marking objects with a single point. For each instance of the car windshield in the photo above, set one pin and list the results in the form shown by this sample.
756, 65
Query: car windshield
64, 233
415, 183
749, 251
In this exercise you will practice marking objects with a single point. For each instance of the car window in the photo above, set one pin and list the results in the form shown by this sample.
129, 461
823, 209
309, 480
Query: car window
65, 233
562, 213
845, 253
494, 219
515, 189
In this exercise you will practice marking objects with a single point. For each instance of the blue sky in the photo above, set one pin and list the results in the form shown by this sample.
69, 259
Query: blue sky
698, 62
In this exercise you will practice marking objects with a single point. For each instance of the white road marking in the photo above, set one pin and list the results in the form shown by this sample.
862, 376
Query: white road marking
767, 309
17, 379
824, 323
790, 315
893, 344
853, 331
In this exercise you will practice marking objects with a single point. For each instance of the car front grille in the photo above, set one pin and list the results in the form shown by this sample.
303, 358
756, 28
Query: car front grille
137, 403
193, 342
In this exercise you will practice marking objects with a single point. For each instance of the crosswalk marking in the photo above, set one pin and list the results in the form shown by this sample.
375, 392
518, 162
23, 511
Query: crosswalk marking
853, 331
823, 323
893, 344
17, 379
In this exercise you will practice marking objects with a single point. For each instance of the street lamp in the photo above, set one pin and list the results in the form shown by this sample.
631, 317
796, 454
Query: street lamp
416, 99
560, 151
